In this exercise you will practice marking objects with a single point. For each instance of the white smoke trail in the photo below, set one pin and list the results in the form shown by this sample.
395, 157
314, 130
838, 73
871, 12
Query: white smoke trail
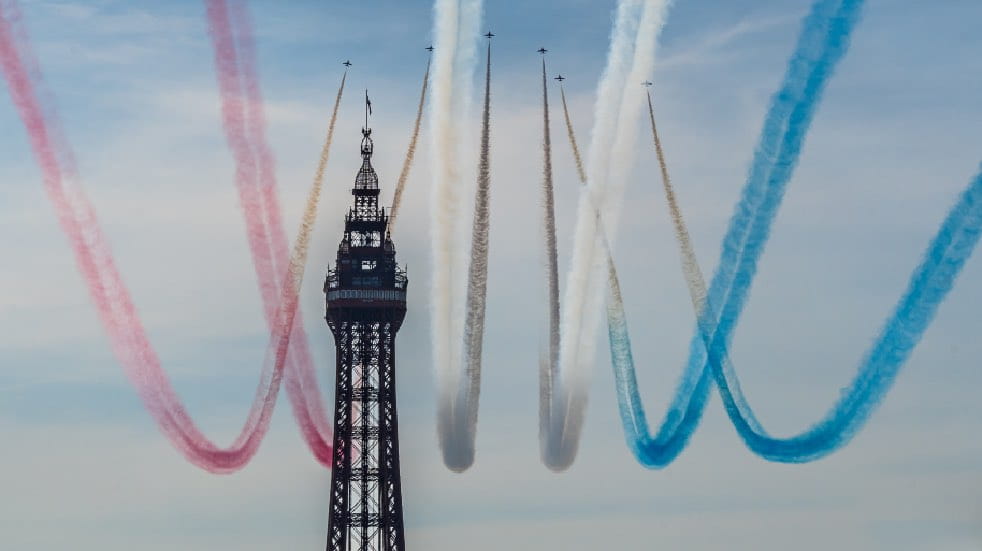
455, 38
630, 60
615, 315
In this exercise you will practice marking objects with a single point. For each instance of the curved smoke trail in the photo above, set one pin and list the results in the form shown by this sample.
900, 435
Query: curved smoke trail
410, 152
822, 44
613, 284
230, 32
455, 57
616, 317
114, 305
632, 49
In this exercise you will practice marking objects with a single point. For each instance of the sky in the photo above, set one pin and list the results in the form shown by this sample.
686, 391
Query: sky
894, 142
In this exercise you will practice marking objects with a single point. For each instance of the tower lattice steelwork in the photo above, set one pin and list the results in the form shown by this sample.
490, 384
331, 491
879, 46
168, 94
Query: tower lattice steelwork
366, 303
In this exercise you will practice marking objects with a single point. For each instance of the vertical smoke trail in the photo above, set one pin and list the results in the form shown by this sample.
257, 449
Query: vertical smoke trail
460, 455
549, 364
455, 35
624, 146
572, 138
238, 25
633, 40
234, 123
410, 152
691, 390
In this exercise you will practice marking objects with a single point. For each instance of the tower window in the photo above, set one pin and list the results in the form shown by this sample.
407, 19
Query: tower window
367, 265
366, 239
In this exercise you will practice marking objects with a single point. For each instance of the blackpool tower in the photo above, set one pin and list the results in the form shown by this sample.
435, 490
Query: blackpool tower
366, 303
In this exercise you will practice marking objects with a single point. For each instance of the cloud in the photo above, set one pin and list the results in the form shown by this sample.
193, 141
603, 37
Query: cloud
724, 44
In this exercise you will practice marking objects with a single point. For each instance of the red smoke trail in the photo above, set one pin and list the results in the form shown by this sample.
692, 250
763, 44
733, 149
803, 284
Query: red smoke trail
245, 127
112, 301
301, 374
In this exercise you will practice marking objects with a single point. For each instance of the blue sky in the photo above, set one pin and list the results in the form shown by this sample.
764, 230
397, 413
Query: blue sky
894, 142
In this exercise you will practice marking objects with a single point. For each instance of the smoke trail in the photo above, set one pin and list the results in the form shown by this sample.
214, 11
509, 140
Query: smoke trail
823, 42
410, 152
690, 266
301, 382
572, 138
455, 34
460, 455
824, 36
632, 49
549, 364
245, 132
234, 123
242, 121
613, 285
109, 294
103, 280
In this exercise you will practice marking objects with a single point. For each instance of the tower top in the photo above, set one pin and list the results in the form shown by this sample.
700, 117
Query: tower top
367, 180
366, 275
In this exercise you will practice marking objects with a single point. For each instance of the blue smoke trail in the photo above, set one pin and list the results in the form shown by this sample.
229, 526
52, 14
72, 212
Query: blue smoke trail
823, 42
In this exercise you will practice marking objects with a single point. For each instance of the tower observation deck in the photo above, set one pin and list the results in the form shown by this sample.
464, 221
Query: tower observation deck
366, 303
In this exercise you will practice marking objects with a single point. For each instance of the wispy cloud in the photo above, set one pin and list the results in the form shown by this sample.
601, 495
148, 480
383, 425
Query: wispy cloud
719, 46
